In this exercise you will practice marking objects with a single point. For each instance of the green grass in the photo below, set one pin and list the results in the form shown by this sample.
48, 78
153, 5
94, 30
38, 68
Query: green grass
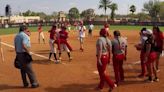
46, 28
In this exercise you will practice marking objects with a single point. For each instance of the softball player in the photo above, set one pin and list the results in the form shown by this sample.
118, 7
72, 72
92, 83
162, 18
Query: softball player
90, 27
82, 30
150, 56
159, 40
119, 50
41, 35
63, 35
140, 47
103, 47
53, 38
106, 26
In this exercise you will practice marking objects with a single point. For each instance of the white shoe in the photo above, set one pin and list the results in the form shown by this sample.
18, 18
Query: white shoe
156, 80
57, 61
70, 58
60, 58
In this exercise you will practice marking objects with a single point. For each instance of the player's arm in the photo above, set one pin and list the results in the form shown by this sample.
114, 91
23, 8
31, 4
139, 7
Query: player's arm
126, 46
126, 52
99, 53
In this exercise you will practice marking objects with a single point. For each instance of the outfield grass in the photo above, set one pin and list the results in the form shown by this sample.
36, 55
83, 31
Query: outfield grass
46, 28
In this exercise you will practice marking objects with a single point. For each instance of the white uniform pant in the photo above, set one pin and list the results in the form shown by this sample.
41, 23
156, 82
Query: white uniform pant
41, 35
63, 47
52, 46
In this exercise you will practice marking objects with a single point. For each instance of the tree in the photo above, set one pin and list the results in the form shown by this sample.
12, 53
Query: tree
132, 9
73, 13
161, 13
142, 17
153, 8
113, 8
30, 13
88, 14
104, 4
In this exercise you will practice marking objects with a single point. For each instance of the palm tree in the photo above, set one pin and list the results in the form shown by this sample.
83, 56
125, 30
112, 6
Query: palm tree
132, 9
153, 8
113, 8
104, 4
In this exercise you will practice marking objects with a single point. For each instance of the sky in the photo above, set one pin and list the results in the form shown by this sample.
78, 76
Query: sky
49, 6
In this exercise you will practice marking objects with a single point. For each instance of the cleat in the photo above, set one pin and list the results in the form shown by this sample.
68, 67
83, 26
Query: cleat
156, 80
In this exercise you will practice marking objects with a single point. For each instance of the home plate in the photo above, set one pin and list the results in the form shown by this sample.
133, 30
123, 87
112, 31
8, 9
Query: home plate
95, 72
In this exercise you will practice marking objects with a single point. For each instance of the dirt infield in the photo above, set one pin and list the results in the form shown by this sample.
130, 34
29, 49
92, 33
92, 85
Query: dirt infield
77, 75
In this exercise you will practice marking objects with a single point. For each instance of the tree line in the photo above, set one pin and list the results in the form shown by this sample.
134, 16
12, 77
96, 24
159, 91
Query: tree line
153, 10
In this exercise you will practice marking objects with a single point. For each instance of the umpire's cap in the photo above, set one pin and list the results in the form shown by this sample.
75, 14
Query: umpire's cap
117, 33
22, 28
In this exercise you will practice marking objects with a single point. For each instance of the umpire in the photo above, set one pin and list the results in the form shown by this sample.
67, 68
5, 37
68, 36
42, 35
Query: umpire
22, 47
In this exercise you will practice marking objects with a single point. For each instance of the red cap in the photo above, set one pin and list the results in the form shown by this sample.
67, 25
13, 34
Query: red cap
106, 25
103, 32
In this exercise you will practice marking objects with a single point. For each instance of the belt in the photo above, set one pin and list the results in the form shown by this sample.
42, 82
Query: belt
118, 53
104, 53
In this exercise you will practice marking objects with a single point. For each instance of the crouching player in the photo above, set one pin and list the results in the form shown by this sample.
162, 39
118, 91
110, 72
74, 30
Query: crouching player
150, 56
140, 47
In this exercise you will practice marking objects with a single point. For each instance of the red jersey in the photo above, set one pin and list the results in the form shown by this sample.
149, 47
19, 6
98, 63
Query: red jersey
63, 35
159, 39
40, 29
52, 33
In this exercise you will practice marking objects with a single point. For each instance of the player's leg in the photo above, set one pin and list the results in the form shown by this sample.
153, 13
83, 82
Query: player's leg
51, 48
68, 51
81, 43
39, 37
157, 61
60, 51
42, 35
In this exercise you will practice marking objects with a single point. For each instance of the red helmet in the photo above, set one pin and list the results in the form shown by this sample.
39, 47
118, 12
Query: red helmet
103, 32
106, 25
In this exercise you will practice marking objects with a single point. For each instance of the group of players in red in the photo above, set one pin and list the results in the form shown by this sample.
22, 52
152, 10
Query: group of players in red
150, 46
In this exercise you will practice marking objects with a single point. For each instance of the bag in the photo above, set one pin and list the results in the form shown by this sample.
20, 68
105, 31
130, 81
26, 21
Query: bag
28, 57
17, 64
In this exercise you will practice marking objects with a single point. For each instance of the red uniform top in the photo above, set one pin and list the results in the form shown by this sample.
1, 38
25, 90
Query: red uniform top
39, 29
159, 39
63, 35
52, 33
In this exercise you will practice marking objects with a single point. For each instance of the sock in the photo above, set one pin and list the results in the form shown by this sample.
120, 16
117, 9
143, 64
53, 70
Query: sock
150, 78
50, 55
43, 40
69, 54
55, 56
59, 54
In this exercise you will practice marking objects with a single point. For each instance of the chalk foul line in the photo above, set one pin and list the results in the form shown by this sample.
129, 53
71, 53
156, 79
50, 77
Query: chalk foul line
38, 55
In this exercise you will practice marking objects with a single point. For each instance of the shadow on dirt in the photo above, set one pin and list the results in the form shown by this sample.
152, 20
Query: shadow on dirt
6, 87
44, 62
133, 82
73, 88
